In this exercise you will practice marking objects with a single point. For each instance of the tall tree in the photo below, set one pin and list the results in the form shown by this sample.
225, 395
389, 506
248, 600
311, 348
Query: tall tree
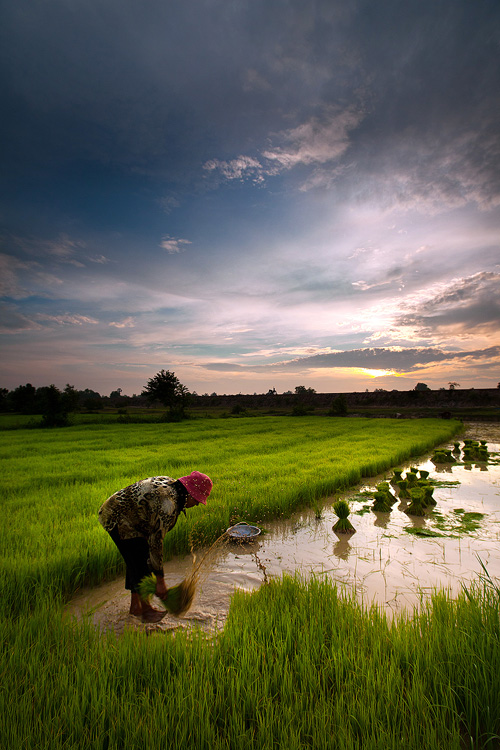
421, 387
53, 406
166, 388
23, 399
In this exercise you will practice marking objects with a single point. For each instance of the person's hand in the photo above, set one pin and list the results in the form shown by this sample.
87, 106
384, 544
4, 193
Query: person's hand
161, 587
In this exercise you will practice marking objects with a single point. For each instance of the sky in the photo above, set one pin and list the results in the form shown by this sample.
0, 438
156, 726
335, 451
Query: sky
252, 194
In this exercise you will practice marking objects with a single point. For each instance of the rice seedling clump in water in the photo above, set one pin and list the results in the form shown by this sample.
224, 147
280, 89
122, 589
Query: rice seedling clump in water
381, 502
403, 489
416, 507
178, 599
341, 509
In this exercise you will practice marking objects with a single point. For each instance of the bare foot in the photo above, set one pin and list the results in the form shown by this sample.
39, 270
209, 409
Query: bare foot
153, 615
135, 605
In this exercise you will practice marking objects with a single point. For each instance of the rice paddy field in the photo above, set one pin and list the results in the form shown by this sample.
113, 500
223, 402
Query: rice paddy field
298, 664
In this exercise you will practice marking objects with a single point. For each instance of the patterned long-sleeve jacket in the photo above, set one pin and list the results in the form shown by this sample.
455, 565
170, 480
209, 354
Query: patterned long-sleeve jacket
149, 508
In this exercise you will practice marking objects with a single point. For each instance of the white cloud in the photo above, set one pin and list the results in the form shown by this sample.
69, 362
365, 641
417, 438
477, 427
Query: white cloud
317, 141
394, 359
125, 323
237, 169
174, 245
68, 319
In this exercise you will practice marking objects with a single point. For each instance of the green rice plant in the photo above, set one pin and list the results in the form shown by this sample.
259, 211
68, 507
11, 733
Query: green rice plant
297, 665
262, 467
384, 487
416, 506
443, 456
428, 495
381, 502
397, 475
342, 510
177, 600
424, 474
412, 478
422, 531
403, 489
318, 509
475, 450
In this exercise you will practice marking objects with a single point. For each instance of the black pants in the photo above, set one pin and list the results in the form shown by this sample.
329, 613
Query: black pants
135, 552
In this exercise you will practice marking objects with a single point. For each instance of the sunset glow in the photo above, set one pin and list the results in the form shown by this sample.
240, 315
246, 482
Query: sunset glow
379, 373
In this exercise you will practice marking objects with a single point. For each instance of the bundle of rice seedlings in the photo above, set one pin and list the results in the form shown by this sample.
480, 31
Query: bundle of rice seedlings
178, 598
456, 447
441, 457
341, 509
428, 492
403, 490
386, 489
398, 475
423, 474
416, 507
411, 477
381, 502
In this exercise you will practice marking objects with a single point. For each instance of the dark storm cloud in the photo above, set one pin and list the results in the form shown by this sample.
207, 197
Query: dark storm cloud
394, 102
121, 82
417, 126
404, 360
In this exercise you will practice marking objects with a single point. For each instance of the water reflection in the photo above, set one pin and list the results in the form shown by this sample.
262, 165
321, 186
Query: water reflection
342, 548
381, 519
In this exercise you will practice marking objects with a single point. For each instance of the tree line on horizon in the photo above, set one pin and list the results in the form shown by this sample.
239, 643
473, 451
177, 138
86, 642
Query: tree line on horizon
165, 389
55, 404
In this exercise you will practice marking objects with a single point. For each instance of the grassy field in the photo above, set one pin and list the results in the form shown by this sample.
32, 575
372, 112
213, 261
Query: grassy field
55, 481
296, 665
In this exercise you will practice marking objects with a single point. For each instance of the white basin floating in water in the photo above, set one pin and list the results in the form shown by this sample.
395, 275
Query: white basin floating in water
243, 532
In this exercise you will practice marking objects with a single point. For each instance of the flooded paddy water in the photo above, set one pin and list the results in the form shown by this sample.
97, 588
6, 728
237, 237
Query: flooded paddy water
383, 562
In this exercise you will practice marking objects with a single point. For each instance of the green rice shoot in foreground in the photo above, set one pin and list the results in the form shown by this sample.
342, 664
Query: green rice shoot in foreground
297, 666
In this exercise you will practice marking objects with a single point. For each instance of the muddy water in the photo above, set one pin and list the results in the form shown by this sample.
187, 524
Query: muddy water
381, 562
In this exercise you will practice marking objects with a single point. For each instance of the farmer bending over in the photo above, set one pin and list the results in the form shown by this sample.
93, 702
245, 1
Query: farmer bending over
138, 517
